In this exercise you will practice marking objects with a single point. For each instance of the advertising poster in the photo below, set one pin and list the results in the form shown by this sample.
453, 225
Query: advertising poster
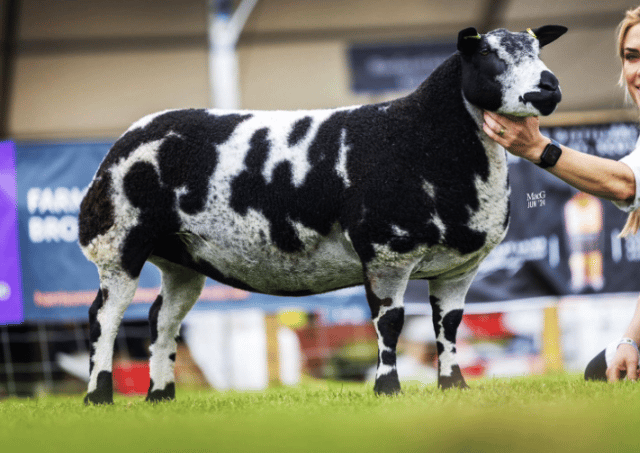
10, 290
562, 241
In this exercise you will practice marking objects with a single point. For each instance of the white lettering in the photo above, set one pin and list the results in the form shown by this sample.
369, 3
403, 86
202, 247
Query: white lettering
33, 195
53, 229
59, 200
511, 255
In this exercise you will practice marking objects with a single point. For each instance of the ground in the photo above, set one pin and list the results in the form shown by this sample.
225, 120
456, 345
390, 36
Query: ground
531, 414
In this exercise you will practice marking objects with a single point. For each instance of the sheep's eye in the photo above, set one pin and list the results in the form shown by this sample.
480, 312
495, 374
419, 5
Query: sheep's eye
484, 52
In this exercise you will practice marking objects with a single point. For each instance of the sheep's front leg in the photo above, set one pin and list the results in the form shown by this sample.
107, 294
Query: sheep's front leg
385, 293
447, 301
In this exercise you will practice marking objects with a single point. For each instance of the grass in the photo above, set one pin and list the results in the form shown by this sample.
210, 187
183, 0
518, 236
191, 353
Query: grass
532, 414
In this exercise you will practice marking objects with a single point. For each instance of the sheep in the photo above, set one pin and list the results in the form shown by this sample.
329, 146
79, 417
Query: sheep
295, 203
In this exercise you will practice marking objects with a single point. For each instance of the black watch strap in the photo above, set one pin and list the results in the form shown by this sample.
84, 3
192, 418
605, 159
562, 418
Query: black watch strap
550, 155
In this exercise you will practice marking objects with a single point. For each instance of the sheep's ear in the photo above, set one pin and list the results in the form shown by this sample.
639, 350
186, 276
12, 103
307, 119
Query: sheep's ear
548, 33
468, 40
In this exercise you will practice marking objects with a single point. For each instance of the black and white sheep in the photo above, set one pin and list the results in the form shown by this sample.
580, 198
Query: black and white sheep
304, 202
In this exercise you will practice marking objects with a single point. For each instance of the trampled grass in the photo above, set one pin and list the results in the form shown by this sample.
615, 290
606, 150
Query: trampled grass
533, 414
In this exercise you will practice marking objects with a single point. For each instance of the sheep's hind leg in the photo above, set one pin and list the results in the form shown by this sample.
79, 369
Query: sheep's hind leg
105, 315
447, 301
385, 292
181, 288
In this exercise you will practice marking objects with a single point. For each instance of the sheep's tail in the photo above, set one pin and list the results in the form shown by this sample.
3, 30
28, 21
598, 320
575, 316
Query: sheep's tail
632, 225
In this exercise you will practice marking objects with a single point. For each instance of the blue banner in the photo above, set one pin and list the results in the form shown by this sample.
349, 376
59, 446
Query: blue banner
394, 67
10, 289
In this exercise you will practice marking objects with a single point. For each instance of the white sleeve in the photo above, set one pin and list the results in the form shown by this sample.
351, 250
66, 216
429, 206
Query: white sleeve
633, 161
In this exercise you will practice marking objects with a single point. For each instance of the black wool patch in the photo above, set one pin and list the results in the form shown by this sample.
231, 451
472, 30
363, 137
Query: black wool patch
157, 218
388, 358
436, 315
154, 311
299, 131
96, 210
94, 325
390, 325
450, 323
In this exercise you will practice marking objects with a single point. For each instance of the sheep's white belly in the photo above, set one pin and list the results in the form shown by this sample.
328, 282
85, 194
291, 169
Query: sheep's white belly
325, 264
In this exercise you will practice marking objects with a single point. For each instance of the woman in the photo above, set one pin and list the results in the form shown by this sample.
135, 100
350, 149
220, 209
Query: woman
618, 181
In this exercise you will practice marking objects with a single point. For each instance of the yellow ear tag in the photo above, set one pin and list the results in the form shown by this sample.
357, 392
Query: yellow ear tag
473, 37
531, 33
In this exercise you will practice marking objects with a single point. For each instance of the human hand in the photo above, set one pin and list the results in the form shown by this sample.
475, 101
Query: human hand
519, 136
625, 360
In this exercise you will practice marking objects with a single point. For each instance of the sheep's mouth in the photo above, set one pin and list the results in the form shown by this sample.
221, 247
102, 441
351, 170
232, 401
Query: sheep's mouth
545, 101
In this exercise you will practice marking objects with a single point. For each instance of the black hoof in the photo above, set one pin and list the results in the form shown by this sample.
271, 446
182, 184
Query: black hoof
103, 394
387, 384
445, 385
166, 394
454, 381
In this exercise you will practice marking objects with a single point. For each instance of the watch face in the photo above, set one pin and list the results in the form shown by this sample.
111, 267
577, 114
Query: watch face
553, 154
550, 155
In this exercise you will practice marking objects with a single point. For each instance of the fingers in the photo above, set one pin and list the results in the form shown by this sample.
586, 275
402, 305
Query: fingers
493, 128
493, 135
613, 374
625, 360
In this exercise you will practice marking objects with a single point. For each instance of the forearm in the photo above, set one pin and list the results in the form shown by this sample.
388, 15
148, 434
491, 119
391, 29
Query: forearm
604, 178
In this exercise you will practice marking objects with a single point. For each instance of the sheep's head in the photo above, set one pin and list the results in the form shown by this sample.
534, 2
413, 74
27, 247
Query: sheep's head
502, 71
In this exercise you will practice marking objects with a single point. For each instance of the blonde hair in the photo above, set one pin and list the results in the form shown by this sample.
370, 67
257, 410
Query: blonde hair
631, 18
632, 224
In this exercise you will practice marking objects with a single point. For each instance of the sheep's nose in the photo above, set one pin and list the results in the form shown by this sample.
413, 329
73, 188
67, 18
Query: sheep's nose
548, 81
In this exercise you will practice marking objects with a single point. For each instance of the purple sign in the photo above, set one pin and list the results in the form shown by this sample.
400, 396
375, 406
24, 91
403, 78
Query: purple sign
10, 286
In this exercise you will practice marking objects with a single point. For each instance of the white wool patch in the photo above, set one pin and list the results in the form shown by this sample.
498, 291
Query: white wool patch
429, 188
341, 168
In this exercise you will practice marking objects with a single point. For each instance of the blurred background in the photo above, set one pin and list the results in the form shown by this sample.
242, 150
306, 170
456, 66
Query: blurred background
76, 73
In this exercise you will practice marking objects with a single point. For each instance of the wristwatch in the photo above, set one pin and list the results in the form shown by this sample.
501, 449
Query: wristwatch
550, 155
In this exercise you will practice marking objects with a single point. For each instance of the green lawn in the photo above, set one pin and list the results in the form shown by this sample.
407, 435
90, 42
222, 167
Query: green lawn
533, 414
